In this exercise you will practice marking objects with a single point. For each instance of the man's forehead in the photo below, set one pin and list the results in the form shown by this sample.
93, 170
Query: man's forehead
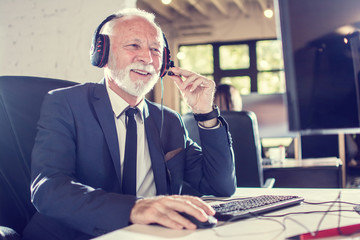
132, 23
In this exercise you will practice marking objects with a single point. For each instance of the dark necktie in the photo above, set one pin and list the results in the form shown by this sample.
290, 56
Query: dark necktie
129, 171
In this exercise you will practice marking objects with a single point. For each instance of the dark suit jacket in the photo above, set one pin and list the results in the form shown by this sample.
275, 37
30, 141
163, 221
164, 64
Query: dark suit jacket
76, 182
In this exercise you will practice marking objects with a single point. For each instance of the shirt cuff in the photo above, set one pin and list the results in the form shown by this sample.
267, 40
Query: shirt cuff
210, 128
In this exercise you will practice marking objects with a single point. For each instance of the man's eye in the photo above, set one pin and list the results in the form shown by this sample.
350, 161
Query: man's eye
134, 45
155, 50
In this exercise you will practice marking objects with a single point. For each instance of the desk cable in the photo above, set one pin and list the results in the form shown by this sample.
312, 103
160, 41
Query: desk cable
231, 235
323, 217
283, 224
287, 217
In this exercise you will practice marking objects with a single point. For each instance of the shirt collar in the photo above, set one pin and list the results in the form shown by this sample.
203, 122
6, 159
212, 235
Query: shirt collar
119, 105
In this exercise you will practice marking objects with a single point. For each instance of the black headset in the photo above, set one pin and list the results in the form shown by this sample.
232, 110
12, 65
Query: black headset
100, 46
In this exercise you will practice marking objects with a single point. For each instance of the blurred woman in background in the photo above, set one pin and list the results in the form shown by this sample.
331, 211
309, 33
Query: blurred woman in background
227, 98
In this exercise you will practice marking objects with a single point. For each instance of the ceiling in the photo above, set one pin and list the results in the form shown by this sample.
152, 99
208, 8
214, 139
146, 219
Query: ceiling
203, 10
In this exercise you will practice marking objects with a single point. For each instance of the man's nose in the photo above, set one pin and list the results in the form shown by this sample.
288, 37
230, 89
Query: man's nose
145, 56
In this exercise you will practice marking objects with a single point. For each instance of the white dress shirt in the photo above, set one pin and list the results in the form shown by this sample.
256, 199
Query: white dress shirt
145, 184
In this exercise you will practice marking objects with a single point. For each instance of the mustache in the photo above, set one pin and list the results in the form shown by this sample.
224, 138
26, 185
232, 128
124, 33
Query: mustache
144, 67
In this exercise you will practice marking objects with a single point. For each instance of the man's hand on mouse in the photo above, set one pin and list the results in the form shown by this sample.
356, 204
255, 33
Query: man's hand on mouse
164, 210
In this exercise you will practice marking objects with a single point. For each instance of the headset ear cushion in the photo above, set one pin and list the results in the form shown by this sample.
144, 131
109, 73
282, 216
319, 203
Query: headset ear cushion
100, 50
166, 62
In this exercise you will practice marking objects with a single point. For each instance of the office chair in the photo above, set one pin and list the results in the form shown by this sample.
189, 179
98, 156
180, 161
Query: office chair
20, 102
244, 131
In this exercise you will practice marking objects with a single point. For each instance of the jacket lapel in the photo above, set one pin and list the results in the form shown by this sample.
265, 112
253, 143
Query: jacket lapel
103, 110
156, 152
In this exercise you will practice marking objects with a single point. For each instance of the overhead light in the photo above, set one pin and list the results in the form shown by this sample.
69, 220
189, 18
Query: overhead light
346, 29
166, 1
269, 13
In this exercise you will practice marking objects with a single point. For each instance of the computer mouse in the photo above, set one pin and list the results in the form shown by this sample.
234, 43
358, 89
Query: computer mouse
357, 208
211, 222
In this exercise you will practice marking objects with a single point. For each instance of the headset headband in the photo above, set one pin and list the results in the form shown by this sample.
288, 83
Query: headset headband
100, 47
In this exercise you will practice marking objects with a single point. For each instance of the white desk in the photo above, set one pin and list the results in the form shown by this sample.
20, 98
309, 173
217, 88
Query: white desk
266, 228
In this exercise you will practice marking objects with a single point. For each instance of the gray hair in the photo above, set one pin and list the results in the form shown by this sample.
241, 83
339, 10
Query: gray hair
150, 17
136, 12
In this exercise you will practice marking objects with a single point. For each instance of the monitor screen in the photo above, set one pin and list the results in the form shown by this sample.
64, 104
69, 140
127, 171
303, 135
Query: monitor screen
270, 112
321, 59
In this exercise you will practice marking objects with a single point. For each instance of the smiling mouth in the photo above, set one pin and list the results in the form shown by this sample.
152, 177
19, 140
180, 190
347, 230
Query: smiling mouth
141, 72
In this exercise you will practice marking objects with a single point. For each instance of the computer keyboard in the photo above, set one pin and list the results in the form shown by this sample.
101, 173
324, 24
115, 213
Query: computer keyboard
250, 207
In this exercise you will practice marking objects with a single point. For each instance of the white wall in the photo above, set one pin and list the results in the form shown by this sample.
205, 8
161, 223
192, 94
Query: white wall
51, 38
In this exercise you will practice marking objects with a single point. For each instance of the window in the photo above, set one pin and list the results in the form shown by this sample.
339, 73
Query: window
269, 64
197, 58
234, 57
242, 83
251, 66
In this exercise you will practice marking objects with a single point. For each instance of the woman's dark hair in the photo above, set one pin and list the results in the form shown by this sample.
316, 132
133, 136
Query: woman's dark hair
223, 95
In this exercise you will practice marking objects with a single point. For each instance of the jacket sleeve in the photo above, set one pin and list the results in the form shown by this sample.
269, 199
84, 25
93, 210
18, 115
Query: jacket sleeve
206, 170
214, 173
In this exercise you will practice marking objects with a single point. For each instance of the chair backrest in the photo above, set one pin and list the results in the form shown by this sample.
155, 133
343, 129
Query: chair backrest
20, 102
244, 131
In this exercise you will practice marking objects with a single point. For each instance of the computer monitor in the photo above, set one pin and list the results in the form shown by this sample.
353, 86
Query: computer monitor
321, 59
271, 114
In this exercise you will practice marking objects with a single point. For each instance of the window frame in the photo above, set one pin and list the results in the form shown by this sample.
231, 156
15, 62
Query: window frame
252, 71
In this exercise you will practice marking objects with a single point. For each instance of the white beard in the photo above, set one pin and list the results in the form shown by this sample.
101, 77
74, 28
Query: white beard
136, 88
